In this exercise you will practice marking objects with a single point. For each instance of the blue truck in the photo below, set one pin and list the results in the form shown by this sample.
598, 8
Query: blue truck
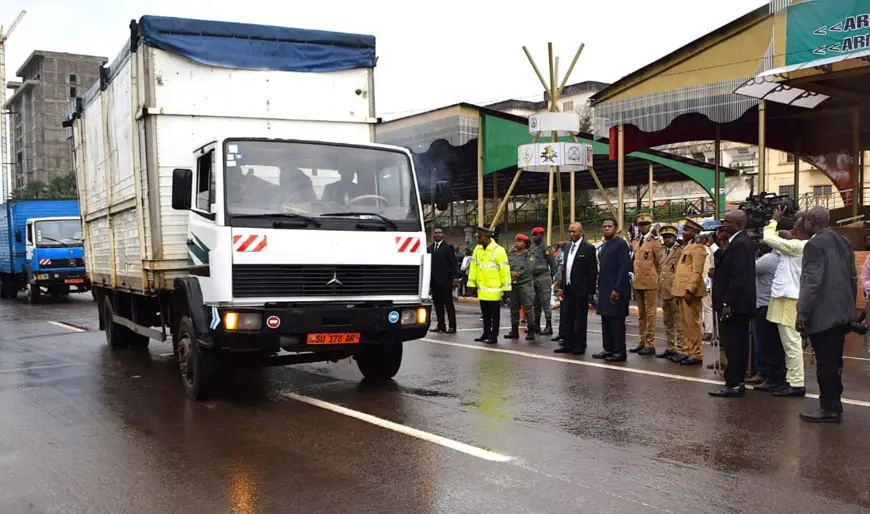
41, 249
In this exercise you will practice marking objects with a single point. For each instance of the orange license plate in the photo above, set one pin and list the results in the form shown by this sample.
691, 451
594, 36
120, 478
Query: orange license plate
74, 281
342, 338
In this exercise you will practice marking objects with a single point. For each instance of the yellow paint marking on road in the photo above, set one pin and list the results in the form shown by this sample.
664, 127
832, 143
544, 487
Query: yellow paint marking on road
402, 429
859, 403
64, 325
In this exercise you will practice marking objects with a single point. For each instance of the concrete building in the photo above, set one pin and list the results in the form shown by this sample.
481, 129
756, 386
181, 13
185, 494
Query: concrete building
39, 148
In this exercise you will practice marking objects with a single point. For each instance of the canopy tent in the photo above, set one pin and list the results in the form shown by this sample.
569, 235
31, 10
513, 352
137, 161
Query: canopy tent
791, 75
446, 147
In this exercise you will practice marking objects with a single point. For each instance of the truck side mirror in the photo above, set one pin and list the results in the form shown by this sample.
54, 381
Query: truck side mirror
182, 189
443, 195
18, 237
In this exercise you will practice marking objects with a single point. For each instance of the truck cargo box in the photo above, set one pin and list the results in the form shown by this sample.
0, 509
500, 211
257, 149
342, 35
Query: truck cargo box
179, 84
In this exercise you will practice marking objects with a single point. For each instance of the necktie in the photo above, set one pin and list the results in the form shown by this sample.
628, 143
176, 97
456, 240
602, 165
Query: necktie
437, 245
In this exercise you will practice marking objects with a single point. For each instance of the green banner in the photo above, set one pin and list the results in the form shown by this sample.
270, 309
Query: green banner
818, 29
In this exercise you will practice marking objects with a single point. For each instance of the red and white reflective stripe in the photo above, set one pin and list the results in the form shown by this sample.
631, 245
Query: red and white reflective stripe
408, 244
44, 262
249, 243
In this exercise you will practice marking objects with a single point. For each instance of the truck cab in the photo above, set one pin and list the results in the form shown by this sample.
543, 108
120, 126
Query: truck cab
54, 257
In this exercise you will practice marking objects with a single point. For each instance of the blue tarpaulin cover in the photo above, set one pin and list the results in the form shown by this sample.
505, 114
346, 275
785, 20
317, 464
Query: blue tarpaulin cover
258, 47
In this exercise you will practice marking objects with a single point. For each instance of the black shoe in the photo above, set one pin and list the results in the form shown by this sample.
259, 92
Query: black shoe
481, 338
791, 391
437, 329
601, 355
451, 330
579, 351
548, 330
616, 357
769, 386
691, 361
530, 335
637, 348
665, 354
821, 416
556, 338
489, 340
678, 357
513, 334
729, 392
563, 349
649, 350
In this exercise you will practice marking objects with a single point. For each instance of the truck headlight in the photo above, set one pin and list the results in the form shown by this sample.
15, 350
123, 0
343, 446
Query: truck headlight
42, 276
416, 316
242, 321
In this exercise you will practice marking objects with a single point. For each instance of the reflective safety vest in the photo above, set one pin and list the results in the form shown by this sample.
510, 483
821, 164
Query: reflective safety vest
490, 272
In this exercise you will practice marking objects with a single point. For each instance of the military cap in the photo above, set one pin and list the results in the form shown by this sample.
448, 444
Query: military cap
484, 231
694, 225
668, 229
538, 230
643, 217
522, 237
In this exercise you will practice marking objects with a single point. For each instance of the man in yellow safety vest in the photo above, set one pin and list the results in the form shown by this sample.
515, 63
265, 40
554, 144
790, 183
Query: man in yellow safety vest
490, 273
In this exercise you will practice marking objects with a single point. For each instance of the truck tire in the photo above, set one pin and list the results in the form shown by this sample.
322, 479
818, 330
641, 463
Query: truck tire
4, 288
199, 367
114, 332
379, 362
33, 293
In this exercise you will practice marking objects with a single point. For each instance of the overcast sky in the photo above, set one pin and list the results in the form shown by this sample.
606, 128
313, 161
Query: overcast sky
440, 53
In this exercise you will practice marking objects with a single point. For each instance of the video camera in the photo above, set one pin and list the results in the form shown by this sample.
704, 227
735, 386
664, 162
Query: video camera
759, 209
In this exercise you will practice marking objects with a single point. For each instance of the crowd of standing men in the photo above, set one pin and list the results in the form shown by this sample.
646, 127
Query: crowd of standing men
801, 283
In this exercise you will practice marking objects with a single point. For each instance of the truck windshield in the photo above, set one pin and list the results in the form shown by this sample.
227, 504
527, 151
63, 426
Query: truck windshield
58, 233
321, 181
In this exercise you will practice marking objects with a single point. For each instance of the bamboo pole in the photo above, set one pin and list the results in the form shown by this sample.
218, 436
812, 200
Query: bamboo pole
717, 180
571, 68
573, 200
510, 190
762, 146
535, 67
857, 188
550, 209
598, 184
650, 192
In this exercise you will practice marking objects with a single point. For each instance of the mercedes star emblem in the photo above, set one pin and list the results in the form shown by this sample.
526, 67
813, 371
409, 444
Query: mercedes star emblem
335, 280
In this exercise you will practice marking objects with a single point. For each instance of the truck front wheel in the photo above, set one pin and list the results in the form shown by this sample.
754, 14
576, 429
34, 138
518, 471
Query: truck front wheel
379, 362
33, 293
199, 366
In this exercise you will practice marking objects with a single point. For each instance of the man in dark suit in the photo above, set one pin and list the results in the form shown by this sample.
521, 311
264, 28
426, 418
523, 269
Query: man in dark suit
614, 292
577, 290
826, 306
444, 273
734, 301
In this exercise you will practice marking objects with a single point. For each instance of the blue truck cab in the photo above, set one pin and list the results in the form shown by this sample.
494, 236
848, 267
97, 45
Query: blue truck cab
41, 249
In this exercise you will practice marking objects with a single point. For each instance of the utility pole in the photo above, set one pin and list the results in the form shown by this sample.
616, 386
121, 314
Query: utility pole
5, 163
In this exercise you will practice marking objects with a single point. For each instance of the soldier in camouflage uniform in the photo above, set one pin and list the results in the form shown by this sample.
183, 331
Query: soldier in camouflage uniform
545, 270
522, 290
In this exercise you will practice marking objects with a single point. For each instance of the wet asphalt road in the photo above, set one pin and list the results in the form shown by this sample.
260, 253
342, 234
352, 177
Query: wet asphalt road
83, 430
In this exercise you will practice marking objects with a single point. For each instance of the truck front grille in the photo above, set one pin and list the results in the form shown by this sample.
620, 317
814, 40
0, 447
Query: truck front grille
308, 280
61, 263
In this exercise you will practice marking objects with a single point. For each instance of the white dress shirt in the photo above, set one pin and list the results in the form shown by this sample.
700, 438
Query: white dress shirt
569, 260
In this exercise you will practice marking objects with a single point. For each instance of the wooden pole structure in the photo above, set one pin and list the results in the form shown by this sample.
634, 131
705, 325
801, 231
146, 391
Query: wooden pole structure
495, 193
550, 209
510, 190
797, 168
571, 68
717, 186
857, 190
762, 146
573, 201
650, 191
480, 212
620, 177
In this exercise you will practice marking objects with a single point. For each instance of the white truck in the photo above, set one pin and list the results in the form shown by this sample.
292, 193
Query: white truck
233, 200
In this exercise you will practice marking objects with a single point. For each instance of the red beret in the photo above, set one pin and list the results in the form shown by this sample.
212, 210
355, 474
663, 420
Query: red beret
523, 237
538, 230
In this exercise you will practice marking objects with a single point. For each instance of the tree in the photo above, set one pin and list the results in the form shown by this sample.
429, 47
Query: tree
585, 113
61, 187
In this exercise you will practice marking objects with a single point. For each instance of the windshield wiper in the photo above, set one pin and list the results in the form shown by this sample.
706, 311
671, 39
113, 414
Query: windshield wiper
58, 241
292, 215
380, 217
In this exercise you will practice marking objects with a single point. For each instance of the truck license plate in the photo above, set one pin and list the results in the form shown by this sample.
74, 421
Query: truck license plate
342, 338
74, 281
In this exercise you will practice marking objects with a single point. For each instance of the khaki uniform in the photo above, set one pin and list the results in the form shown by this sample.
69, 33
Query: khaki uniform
671, 305
522, 292
689, 276
648, 252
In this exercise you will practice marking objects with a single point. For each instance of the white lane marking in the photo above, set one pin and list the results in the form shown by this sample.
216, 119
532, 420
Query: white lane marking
47, 366
402, 429
610, 366
64, 325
